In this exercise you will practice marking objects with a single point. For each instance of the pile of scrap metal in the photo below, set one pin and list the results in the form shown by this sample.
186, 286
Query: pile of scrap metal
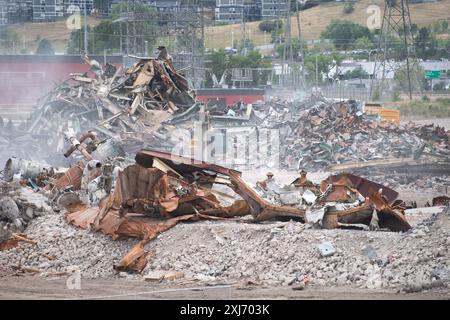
331, 132
129, 106
343, 200
152, 195
159, 190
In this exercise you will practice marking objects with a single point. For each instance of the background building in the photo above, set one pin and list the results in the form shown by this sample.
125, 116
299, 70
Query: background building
47, 10
229, 10
273, 9
15, 11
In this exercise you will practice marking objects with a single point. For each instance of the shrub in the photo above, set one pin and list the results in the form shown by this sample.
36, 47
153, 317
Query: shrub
270, 25
349, 7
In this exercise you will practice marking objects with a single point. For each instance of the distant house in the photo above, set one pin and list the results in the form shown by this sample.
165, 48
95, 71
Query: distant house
69, 4
273, 9
15, 11
47, 10
3, 13
165, 6
229, 10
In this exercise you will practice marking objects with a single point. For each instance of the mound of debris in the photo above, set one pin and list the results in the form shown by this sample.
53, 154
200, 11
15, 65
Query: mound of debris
145, 198
129, 106
329, 133
290, 253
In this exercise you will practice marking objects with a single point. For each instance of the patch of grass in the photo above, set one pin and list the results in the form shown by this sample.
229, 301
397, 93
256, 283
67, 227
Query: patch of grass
439, 108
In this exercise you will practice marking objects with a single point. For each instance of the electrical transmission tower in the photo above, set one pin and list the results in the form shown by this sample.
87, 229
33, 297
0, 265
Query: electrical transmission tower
181, 30
136, 27
188, 27
396, 23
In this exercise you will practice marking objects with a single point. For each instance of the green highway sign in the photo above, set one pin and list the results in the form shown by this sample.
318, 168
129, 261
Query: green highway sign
430, 74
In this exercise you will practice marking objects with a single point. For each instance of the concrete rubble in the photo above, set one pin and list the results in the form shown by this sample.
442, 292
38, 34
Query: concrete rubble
124, 206
320, 133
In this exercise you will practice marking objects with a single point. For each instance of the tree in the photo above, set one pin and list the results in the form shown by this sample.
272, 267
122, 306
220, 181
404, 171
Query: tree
357, 73
426, 44
440, 86
7, 38
246, 46
364, 43
219, 61
417, 78
45, 47
414, 29
270, 25
106, 35
349, 7
295, 49
344, 33
324, 64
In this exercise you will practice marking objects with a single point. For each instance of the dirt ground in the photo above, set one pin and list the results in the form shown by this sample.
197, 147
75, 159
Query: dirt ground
28, 287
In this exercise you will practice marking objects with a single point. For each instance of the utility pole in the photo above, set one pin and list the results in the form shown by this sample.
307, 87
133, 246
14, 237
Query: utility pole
85, 29
301, 51
287, 49
244, 36
317, 72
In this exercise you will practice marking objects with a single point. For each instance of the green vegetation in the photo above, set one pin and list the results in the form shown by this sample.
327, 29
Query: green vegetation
270, 25
349, 7
440, 86
7, 39
219, 61
45, 47
295, 49
418, 80
106, 36
344, 33
324, 64
357, 73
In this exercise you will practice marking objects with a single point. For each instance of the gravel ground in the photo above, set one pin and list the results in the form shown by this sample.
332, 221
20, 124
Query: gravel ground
286, 254
278, 253
62, 247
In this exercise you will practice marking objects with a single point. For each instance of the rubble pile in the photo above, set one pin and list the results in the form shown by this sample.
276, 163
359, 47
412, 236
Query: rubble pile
151, 196
287, 253
109, 213
128, 106
279, 253
60, 248
339, 132
19, 206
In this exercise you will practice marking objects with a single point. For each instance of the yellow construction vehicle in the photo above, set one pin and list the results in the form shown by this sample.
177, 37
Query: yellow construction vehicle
390, 115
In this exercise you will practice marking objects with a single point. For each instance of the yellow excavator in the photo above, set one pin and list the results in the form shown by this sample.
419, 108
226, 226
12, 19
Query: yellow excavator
390, 115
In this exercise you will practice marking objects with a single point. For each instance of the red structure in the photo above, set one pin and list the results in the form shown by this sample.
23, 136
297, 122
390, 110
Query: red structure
26, 78
230, 96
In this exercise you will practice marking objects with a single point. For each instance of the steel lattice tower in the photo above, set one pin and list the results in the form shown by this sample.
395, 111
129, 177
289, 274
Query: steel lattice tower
396, 21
